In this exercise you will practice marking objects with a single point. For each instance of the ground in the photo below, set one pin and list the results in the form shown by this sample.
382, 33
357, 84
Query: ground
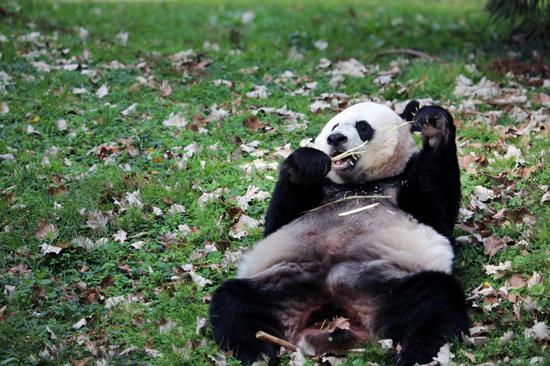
137, 158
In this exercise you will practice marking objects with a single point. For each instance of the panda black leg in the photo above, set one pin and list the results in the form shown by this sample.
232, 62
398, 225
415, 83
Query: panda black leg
299, 187
422, 313
237, 312
431, 192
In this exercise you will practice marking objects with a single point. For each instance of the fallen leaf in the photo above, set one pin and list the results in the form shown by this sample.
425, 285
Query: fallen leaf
89, 296
38, 295
542, 98
61, 125
120, 236
175, 120
350, 67
466, 88
297, 358
47, 249
259, 91
444, 356
386, 344
247, 17
240, 229
9, 290
536, 279
483, 194
122, 38
499, 270
117, 300
107, 281
492, 245
165, 89
57, 190
130, 110
252, 123
516, 281
166, 326
199, 280
318, 106
137, 245
539, 331
45, 229
79, 324
506, 337
337, 323
102, 91
97, 221
320, 45
176, 209
201, 323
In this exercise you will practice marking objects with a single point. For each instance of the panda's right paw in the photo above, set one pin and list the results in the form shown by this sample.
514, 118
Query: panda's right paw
306, 165
435, 125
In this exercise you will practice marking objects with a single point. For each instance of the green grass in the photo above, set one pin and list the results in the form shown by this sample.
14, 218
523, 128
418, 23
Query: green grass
55, 291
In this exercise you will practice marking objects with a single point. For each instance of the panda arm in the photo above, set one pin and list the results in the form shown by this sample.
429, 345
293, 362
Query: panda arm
299, 188
432, 189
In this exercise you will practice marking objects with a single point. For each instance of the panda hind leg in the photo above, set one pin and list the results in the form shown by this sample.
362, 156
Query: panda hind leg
421, 313
239, 309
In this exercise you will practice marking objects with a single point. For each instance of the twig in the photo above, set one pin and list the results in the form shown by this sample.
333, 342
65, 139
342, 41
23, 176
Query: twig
358, 209
407, 51
276, 341
348, 198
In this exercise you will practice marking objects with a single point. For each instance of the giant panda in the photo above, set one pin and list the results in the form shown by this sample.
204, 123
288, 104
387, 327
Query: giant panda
367, 237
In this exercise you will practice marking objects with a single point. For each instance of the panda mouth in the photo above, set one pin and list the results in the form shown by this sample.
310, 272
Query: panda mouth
347, 162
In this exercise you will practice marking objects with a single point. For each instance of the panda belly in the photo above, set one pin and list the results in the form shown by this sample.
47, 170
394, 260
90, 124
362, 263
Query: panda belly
382, 233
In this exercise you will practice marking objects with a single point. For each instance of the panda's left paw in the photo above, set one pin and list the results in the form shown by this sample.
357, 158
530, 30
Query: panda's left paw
435, 124
306, 165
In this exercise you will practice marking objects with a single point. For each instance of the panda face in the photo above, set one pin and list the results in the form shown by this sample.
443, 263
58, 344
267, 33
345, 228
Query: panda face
382, 146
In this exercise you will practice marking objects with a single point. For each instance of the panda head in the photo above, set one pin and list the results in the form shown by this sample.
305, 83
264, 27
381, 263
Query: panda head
386, 146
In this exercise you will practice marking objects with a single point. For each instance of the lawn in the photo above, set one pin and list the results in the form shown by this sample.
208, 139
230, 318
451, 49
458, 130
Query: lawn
139, 142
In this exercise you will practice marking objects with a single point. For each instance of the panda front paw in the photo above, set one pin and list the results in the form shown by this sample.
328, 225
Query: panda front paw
435, 125
306, 165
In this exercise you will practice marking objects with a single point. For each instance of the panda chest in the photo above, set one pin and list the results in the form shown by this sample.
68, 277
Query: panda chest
385, 188
375, 230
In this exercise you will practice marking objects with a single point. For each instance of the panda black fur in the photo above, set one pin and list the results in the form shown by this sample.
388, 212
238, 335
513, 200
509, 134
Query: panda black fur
387, 268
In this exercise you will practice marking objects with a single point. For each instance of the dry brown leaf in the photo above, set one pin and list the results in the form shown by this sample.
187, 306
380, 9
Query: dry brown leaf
38, 295
468, 163
492, 245
338, 323
19, 270
126, 268
57, 190
45, 229
107, 281
89, 296
252, 123
516, 282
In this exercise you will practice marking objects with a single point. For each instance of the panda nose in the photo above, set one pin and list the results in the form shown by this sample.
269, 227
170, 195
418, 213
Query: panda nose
336, 139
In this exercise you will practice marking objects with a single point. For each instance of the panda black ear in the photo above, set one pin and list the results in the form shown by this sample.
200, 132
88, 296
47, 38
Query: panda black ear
410, 110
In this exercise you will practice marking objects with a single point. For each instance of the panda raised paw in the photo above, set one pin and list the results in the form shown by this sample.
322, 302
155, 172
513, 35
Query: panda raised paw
435, 125
306, 165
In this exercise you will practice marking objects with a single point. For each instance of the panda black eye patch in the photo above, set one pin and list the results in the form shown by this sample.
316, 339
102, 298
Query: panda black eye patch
365, 130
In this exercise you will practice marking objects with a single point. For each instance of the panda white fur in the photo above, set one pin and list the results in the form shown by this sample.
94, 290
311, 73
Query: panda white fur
367, 237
